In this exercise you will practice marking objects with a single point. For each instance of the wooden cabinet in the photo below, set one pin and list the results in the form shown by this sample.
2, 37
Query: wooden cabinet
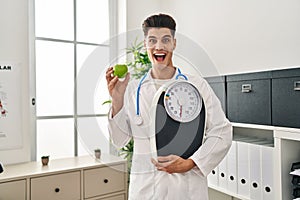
74, 178
13, 190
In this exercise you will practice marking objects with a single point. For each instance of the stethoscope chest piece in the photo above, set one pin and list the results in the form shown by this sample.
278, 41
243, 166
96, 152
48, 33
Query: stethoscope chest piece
138, 120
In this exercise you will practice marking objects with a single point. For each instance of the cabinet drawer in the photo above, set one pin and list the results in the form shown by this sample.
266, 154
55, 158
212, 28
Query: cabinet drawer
117, 197
104, 180
61, 186
14, 190
286, 102
249, 101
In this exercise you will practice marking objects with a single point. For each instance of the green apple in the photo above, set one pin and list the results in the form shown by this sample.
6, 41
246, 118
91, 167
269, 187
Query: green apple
120, 70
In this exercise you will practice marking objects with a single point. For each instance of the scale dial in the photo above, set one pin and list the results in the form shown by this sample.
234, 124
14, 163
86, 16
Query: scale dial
182, 101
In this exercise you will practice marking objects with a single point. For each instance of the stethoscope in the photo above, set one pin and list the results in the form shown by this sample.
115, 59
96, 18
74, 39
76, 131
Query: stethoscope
138, 117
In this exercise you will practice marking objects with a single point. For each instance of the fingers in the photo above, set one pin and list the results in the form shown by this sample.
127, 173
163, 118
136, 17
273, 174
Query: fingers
158, 165
169, 158
109, 74
154, 162
170, 164
111, 84
127, 77
164, 161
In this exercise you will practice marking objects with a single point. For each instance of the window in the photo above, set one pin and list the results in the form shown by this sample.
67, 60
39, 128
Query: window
66, 33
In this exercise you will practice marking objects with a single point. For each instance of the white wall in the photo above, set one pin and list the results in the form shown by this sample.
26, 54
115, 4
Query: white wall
14, 46
239, 36
138, 10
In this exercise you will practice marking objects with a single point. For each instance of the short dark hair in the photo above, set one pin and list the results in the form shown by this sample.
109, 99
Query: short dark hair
159, 21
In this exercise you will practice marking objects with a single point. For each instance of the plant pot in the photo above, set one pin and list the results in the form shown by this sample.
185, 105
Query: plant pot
97, 153
45, 160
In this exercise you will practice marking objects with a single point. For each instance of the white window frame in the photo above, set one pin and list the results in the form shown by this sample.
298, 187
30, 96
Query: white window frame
114, 7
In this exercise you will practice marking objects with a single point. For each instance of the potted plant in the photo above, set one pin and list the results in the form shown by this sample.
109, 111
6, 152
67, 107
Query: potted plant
45, 160
97, 153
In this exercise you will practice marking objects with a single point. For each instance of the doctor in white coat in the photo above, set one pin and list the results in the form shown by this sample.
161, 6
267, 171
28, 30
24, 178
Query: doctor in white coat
169, 177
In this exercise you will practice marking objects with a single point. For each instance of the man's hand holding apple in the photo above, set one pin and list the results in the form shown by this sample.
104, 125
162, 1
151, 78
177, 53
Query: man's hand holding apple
116, 87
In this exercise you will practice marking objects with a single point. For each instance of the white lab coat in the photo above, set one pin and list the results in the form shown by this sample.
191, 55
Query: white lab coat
146, 182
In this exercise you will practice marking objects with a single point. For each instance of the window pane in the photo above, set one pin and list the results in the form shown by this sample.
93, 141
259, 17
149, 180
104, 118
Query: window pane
83, 53
54, 19
55, 137
92, 90
101, 95
93, 134
54, 78
82, 149
92, 21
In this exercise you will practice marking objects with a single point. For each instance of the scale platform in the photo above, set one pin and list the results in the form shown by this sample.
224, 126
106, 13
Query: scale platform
174, 137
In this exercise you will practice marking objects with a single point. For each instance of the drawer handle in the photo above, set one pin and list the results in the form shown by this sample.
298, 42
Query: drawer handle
57, 190
255, 185
297, 85
246, 88
222, 175
267, 189
105, 180
243, 181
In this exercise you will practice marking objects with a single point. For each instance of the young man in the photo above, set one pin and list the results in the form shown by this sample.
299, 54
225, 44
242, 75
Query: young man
168, 177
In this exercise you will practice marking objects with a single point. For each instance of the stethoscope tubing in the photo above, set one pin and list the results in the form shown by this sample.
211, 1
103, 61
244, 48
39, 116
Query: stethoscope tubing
139, 88
138, 94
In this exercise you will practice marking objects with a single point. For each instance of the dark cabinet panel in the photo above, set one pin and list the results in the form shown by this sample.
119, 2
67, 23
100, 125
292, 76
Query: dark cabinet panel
267, 98
218, 85
249, 98
286, 101
286, 73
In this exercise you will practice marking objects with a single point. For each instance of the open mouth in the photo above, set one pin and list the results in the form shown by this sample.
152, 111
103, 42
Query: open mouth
160, 56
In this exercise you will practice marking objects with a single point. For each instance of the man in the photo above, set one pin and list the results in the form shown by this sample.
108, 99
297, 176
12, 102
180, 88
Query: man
168, 177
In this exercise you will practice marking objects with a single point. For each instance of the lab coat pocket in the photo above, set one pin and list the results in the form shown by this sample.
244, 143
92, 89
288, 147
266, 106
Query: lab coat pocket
141, 186
197, 186
177, 186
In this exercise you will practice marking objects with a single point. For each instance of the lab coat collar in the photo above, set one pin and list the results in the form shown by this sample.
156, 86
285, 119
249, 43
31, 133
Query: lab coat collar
150, 78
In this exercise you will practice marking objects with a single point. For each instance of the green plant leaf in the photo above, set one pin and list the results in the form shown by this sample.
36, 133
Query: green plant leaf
105, 102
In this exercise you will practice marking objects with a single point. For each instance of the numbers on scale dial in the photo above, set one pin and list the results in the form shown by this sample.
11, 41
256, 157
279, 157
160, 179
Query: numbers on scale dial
183, 102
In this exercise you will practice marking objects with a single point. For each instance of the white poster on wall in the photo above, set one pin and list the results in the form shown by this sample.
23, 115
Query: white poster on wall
10, 106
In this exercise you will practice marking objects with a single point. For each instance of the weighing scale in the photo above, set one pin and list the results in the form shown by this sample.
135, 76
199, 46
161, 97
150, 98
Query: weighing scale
179, 114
